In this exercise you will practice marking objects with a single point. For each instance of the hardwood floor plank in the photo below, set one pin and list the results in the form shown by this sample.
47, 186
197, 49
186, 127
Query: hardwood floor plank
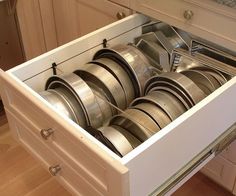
26, 182
6, 141
15, 162
49, 188
4, 129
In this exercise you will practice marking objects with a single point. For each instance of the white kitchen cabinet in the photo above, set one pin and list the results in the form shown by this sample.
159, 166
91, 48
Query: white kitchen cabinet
87, 167
36, 27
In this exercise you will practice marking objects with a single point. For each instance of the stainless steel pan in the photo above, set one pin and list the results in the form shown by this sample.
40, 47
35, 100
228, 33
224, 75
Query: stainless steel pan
120, 74
59, 103
139, 68
136, 122
104, 80
155, 112
181, 81
83, 93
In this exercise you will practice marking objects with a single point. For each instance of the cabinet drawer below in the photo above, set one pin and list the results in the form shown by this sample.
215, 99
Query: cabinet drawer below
69, 177
222, 171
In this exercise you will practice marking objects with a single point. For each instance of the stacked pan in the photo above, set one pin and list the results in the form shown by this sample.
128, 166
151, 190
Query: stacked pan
167, 96
133, 61
101, 88
122, 98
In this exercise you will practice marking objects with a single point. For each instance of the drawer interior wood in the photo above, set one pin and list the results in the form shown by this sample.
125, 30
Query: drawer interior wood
150, 164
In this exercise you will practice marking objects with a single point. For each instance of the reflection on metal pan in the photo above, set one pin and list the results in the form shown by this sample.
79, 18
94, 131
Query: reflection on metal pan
83, 94
120, 74
106, 81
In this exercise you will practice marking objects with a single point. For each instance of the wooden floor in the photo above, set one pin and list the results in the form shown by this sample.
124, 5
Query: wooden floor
21, 175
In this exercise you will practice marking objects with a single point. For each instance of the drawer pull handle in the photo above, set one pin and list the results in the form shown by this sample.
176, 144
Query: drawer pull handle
188, 14
45, 133
54, 169
120, 15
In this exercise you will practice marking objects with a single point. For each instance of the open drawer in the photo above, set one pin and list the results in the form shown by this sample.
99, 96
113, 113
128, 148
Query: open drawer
154, 167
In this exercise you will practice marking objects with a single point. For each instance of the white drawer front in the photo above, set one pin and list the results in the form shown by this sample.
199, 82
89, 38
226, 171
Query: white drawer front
73, 179
148, 166
63, 145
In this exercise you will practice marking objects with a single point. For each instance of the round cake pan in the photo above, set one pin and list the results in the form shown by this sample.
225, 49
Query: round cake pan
107, 110
59, 103
137, 123
71, 100
131, 138
106, 81
83, 93
203, 81
173, 92
173, 106
166, 101
119, 137
215, 73
181, 81
154, 85
213, 80
118, 140
120, 74
158, 115
109, 54
136, 62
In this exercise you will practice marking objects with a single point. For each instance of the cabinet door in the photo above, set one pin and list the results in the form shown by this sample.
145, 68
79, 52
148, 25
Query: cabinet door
121, 2
37, 28
74, 18
10, 48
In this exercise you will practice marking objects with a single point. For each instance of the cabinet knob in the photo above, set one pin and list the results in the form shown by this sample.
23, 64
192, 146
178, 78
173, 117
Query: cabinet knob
120, 15
54, 169
188, 14
45, 133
